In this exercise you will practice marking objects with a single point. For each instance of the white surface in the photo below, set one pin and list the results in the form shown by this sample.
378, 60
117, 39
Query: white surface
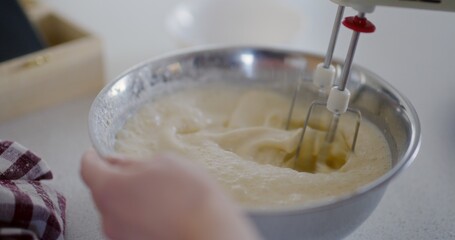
208, 21
414, 50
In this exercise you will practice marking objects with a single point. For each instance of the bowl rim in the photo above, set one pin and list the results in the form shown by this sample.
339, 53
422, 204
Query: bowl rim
408, 157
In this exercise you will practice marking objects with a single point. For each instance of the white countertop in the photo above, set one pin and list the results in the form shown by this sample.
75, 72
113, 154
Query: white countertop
413, 50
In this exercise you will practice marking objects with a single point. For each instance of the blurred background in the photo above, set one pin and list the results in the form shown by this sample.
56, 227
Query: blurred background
414, 50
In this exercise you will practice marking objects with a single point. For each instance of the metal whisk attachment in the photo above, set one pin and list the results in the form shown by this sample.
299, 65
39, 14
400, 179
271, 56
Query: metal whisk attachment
338, 99
324, 74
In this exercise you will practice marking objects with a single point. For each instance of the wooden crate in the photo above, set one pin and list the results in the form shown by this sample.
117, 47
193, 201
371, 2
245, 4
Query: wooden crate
71, 66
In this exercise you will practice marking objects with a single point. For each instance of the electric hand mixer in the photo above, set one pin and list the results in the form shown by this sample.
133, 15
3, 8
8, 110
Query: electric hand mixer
338, 96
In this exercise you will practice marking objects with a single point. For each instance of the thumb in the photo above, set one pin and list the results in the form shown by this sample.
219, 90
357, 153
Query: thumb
94, 170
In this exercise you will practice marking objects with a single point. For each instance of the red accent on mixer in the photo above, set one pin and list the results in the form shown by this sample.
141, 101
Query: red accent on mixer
359, 24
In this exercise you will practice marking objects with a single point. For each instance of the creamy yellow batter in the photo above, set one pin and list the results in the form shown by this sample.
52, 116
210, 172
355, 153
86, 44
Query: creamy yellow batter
238, 134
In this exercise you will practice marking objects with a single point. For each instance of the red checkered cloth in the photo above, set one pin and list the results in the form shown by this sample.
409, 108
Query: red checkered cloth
29, 209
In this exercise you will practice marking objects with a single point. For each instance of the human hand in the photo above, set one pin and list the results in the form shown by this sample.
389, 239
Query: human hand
161, 198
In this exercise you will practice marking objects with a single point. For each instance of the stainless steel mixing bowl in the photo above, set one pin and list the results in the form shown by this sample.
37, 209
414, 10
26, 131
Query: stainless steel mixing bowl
378, 101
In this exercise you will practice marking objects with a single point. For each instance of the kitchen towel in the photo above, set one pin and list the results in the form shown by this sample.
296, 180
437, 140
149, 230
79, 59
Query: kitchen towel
29, 209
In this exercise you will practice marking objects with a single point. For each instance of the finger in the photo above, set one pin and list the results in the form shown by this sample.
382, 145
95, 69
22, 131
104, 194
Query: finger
119, 160
94, 170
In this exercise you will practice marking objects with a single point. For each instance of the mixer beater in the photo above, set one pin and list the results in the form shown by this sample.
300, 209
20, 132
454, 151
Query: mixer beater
338, 97
324, 73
